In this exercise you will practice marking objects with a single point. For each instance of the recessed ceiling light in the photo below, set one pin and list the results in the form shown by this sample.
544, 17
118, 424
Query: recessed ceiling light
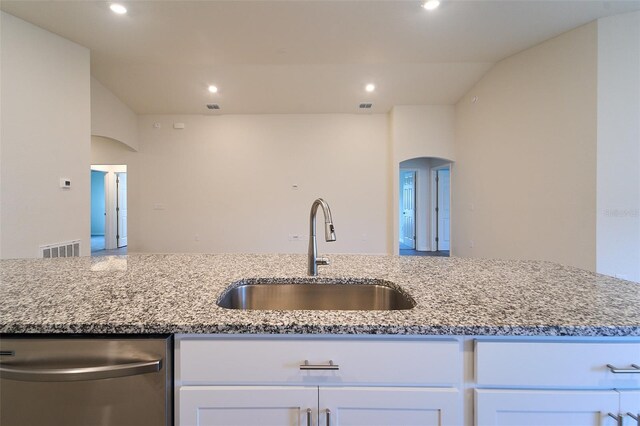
118, 8
370, 87
431, 4
213, 89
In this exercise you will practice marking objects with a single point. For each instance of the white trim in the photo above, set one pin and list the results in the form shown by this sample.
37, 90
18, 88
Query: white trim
416, 199
432, 200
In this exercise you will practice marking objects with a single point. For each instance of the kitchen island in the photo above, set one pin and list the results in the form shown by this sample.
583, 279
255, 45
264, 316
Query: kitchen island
173, 293
489, 342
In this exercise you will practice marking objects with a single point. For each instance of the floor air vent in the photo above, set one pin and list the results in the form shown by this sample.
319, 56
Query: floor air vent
365, 105
68, 249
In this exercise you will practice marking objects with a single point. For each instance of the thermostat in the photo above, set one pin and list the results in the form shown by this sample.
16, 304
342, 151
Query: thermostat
65, 183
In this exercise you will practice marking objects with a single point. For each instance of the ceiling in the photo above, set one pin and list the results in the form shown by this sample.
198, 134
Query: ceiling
301, 56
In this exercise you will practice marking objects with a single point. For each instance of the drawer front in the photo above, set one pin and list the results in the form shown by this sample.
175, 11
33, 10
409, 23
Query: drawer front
557, 364
278, 361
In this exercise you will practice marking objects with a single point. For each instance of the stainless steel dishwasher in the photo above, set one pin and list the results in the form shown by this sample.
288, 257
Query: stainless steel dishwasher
86, 381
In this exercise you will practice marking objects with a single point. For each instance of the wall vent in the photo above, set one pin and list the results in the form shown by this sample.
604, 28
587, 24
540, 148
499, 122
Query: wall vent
213, 106
365, 105
68, 249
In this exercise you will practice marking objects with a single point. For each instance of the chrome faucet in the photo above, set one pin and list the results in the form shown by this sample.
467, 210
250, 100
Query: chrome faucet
329, 235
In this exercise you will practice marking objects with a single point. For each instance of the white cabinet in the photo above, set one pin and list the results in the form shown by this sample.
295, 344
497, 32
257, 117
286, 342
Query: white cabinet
311, 406
563, 383
389, 406
318, 381
557, 364
391, 381
630, 407
545, 407
247, 405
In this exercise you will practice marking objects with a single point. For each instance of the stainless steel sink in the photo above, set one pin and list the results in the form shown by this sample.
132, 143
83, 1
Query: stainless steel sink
323, 294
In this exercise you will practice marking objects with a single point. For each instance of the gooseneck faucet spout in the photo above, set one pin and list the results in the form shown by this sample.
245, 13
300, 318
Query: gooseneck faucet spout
329, 235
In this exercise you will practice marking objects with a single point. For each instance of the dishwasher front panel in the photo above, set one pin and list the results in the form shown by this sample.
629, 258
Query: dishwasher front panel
86, 381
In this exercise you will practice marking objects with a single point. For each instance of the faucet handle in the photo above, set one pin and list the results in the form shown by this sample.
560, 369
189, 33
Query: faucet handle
322, 261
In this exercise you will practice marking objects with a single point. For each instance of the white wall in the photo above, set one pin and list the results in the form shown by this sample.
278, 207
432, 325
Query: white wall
423, 131
524, 181
224, 183
45, 127
417, 131
111, 118
618, 166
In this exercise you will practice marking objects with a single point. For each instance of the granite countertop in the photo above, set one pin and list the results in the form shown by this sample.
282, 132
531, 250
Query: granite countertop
174, 293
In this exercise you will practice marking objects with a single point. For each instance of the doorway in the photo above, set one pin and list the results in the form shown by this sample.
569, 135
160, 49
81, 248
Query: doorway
109, 224
407, 209
98, 210
423, 209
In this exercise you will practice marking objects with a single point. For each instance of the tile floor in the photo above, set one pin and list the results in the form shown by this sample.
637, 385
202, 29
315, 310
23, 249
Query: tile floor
97, 247
408, 251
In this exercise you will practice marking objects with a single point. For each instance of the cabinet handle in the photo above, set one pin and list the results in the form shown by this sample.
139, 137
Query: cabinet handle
328, 417
617, 418
635, 369
308, 416
635, 417
330, 366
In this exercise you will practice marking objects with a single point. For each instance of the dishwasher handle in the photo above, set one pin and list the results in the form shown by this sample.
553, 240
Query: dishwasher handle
80, 373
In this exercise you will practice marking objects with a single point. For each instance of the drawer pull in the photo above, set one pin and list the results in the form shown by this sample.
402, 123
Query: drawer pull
328, 417
308, 416
635, 369
635, 417
330, 366
618, 418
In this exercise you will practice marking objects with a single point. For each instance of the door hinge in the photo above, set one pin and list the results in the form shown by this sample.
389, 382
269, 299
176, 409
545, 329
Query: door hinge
437, 210
437, 239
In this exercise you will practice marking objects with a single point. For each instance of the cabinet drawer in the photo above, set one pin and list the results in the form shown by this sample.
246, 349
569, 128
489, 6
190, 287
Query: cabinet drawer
557, 364
274, 361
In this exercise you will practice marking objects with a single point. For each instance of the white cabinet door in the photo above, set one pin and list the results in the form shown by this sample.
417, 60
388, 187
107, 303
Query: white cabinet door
368, 406
549, 408
630, 407
247, 405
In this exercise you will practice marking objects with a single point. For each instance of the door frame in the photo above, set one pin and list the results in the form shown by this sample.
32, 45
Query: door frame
118, 204
110, 193
434, 204
415, 203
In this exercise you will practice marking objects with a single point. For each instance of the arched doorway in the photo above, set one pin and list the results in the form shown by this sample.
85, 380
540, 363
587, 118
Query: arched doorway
423, 208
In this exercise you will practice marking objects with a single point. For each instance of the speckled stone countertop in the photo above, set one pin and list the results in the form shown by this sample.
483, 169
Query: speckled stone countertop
178, 293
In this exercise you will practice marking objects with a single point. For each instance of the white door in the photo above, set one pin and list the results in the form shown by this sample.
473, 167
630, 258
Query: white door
630, 407
370, 406
121, 207
408, 217
248, 406
443, 209
549, 408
